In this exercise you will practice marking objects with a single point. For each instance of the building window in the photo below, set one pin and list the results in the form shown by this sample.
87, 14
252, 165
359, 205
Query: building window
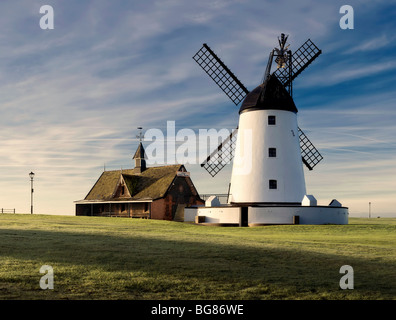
122, 190
272, 152
272, 120
273, 184
146, 207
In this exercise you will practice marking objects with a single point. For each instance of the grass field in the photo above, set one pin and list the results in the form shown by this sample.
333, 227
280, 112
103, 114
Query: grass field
119, 258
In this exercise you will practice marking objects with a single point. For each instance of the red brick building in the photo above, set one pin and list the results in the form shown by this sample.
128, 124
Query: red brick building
154, 193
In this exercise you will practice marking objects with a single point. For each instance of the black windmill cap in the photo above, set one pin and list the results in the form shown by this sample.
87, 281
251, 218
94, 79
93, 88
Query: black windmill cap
270, 95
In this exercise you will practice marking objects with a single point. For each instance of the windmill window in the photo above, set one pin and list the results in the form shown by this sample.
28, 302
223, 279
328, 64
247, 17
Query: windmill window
271, 120
272, 152
273, 184
122, 190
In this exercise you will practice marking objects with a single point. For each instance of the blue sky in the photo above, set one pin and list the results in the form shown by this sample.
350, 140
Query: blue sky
71, 98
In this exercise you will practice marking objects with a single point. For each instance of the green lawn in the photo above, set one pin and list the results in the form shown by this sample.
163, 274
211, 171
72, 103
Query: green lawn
120, 258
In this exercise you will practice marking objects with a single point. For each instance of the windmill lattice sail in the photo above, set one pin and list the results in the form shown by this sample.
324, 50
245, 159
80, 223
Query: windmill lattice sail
222, 155
220, 74
301, 59
310, 155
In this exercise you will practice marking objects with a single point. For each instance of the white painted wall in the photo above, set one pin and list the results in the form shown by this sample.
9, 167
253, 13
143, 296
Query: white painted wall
253, 168
189, 214
308, 215
220, 214
314, 215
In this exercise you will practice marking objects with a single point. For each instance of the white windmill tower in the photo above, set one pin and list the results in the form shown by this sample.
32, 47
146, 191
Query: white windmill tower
267, 181
267, 164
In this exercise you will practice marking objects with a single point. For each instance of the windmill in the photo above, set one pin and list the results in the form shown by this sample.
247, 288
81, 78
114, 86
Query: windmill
273, 97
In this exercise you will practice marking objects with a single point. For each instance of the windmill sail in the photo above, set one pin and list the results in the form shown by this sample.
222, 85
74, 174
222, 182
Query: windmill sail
310, 155
222, 155
220, 74
301, 59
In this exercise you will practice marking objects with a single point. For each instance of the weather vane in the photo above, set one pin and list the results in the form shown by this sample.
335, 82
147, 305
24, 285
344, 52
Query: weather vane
282, 53
140, 136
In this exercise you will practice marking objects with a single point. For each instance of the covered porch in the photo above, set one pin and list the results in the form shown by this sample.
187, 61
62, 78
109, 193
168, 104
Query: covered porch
126, 209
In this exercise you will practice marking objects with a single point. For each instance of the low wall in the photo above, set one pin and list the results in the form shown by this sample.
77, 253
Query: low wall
270, 215
213, 214
307, 215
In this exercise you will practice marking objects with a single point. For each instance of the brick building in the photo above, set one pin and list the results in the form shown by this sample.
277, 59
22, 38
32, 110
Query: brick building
143, 192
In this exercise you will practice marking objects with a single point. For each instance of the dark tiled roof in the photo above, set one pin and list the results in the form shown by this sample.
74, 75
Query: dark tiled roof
150, 184
271, 95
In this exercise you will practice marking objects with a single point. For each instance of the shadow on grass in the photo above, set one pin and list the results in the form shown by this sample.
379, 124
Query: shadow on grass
157, 268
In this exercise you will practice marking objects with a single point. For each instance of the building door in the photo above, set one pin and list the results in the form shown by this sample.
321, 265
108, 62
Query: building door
243, 221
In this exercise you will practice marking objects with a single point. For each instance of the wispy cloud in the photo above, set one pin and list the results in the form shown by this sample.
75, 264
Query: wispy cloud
376, 43
340, 72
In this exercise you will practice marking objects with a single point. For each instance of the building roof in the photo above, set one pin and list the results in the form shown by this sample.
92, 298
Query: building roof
140, 153
270, 95
153, 183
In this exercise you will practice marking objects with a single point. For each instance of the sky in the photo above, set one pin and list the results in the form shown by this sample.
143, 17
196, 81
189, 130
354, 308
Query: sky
72, 97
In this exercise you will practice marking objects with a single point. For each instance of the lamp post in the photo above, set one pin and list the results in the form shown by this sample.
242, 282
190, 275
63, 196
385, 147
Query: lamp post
31, 175
369, 209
